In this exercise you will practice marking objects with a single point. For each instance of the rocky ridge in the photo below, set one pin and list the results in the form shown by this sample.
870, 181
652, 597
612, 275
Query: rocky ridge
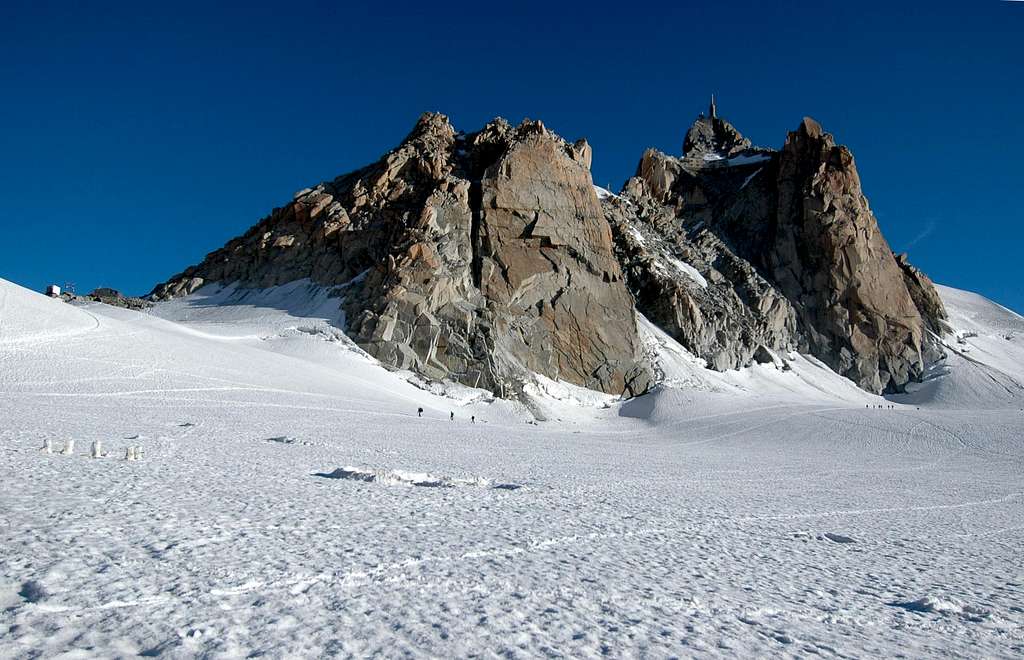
480, 258
787, 253
107, 296
485, 257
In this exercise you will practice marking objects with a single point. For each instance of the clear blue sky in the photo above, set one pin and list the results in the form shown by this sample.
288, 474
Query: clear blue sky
137, 137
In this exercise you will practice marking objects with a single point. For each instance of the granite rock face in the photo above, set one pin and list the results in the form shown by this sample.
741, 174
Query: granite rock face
790, 253
478, 258
691, 284
830, 258
925, 297
714, 136
486, 257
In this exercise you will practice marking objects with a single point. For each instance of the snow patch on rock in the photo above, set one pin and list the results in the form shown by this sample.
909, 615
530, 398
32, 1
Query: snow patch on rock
689, 271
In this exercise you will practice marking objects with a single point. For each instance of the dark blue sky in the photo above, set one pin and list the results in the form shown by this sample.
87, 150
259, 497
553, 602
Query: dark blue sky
137, 139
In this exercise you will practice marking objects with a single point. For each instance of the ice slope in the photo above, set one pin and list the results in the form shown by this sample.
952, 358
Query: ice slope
754, 513
985, 364
230, 311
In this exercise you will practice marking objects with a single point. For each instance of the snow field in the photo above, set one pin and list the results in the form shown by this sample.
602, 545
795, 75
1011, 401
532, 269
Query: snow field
762, 512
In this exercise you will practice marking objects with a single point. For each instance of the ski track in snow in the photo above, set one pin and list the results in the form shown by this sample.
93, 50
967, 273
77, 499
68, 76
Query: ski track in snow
691, 523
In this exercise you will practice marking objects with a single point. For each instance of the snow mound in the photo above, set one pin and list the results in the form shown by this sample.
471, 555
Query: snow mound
838, 538
405, 478
457, 392
826, 536
287, 440
545, 389
946, 606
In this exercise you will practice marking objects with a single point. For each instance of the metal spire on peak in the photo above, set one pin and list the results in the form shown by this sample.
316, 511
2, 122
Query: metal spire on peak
713, 109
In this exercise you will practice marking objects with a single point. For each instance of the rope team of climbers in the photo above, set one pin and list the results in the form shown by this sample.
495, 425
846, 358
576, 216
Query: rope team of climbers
451, 416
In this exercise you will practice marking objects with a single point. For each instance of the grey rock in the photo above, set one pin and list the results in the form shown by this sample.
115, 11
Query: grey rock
108, 296
792, 255
484, 257
726, 315
714, 135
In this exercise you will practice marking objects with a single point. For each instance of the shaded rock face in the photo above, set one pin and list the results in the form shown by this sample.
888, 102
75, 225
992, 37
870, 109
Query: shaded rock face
925, 297
696, 288
714, 135
791, 253
476, 257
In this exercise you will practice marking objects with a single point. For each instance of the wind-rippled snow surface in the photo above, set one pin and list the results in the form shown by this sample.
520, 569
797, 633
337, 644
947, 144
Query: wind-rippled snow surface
279, 505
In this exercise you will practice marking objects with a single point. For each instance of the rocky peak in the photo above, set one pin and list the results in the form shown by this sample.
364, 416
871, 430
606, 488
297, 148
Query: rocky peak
476, 257
789, 253
432, 133
486, 256
831, 259
713, 136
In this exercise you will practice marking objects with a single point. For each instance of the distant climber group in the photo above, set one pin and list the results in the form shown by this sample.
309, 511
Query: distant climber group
451, 416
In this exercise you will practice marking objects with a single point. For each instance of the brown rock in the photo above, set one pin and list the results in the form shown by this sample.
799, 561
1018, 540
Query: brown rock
830, 259
547, 269
479, 258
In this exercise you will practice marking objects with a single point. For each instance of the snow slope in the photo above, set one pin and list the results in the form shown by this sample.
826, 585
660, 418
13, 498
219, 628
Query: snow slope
985, 364
290, 502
